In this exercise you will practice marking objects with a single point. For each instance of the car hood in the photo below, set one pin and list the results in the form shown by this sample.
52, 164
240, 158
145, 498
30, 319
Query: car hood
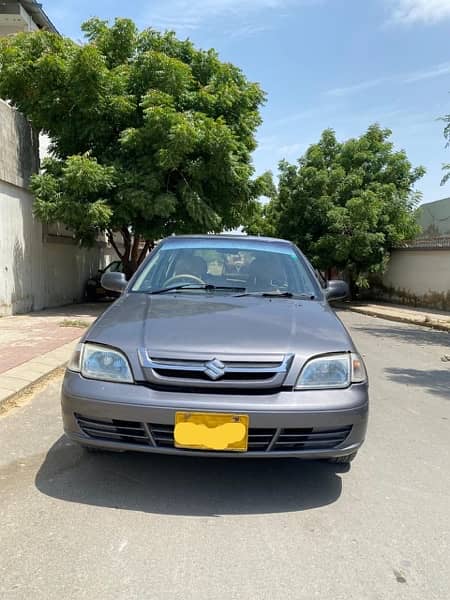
214, 324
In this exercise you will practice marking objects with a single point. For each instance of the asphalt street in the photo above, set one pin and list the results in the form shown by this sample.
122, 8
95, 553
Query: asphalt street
74, 525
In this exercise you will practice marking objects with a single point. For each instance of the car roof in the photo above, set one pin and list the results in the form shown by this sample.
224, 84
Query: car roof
222, 236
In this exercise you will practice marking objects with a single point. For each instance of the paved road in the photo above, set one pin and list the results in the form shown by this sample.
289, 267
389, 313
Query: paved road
140, 527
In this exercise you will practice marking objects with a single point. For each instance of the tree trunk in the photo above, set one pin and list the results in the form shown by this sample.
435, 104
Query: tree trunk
132, 255
352, 286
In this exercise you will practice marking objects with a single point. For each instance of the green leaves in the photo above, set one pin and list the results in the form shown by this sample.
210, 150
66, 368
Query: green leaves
348, 204
117, 43
75, 192
150, 136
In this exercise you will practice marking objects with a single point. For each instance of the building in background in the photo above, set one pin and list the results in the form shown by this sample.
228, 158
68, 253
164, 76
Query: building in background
434, 219
418, 273
21, 16
40, 266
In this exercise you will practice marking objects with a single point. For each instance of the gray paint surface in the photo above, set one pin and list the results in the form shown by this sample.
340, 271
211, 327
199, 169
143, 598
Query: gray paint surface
251, 326
138, 526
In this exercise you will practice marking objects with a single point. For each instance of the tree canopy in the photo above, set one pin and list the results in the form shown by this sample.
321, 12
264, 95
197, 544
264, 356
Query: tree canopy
346, 204
150, 136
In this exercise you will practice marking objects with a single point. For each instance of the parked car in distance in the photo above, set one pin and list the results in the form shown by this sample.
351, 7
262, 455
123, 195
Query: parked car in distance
94, 289
197, 358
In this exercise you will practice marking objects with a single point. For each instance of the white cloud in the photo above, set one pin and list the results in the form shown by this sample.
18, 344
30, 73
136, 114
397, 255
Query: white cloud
191, 14
357, 87
248, 30
303, 115
292, 150
432, 72
268, 143
420, 11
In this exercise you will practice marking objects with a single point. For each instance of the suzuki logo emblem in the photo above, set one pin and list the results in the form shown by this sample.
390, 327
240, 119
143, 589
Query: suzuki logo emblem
214, 369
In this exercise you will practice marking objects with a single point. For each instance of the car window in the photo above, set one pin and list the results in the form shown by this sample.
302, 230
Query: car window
255, 266
114, 267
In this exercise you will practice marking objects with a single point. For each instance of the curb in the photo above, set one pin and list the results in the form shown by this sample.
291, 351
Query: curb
25, 378
389, 317
6, 403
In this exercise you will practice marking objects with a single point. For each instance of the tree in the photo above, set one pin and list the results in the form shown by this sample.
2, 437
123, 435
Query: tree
348, 204
150, 136
260, 219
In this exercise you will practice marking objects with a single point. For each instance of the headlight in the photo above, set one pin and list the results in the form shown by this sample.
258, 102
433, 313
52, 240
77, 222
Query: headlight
100, 362
332, 371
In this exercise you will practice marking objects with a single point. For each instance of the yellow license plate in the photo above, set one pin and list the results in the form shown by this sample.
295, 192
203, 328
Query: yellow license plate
211, 431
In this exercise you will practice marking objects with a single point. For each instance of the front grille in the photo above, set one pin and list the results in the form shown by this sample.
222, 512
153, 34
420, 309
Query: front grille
229, 390
310, 439
162, 435
258, 439
246, 376
270, 440
209, 371
113, 430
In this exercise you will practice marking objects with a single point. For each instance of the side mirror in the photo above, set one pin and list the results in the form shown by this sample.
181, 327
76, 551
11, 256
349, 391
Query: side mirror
337, 290
115, 282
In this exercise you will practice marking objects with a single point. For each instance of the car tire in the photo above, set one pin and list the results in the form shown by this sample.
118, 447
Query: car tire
91, 295
343, 460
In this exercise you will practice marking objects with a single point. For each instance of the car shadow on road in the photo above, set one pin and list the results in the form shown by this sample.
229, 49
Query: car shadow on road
172, 485
415, 334
436, 381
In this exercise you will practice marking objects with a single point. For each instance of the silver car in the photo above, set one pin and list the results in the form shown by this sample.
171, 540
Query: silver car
219, 346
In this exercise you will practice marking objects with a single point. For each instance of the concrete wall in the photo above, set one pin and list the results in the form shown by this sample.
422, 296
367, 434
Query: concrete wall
19, 147
418, 277
14, 18
37, 270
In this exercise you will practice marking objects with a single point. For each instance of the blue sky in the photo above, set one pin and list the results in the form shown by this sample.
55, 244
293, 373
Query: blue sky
323, 63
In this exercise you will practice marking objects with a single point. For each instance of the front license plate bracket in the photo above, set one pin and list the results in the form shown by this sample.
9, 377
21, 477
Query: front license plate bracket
218, 432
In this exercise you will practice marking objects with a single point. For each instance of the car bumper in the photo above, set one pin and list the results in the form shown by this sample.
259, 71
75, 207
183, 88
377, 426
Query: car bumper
137, 409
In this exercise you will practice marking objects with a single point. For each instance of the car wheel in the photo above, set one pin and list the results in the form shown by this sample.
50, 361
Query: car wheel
91, 294
343, 460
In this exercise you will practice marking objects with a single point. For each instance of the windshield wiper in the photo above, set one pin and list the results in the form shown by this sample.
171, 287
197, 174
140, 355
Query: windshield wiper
278, 295
194, 286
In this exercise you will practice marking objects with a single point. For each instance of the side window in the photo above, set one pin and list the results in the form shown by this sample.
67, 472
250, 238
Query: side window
112, 267
116, 267
155, 273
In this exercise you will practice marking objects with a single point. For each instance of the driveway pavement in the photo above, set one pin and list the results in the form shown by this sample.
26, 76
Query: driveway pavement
130, 526
36, 344
25, 337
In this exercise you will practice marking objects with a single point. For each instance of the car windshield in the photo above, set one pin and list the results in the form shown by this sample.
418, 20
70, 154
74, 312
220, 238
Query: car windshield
227, 266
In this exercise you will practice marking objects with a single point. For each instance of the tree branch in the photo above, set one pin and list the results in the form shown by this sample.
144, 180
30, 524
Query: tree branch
127, 243
125, 233
144, 251
113, 243
135, 249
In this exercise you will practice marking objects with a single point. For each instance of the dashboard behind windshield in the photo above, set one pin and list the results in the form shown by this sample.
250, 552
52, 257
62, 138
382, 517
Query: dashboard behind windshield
255, 267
